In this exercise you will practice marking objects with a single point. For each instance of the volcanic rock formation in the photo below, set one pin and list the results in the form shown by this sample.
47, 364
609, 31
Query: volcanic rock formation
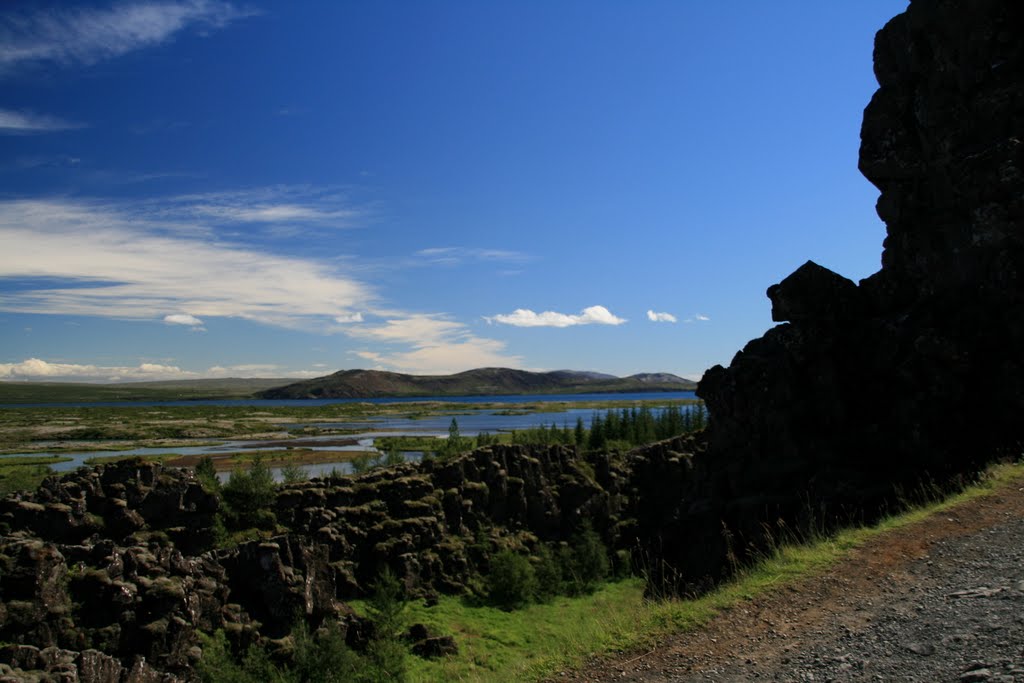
914, 375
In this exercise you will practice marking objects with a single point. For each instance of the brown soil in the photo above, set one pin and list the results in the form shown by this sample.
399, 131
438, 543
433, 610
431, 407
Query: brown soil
761, 639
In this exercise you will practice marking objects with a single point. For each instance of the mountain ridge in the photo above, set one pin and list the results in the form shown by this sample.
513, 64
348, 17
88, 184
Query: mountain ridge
358, 383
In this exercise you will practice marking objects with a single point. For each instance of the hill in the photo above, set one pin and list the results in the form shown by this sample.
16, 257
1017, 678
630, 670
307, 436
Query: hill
481, 382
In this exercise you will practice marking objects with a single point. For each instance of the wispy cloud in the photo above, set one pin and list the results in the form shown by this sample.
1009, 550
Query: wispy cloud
38, 369
697, 318
451, 256
77, 35
116, 263
660, 317
524, 317
25, 123
163, 261
300, 205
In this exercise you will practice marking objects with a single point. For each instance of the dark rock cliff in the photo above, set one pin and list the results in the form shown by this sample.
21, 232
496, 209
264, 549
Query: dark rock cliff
914, 374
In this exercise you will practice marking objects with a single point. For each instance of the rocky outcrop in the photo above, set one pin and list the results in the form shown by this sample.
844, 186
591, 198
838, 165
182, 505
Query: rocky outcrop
434, 524
111, 571
914, 375
115, 569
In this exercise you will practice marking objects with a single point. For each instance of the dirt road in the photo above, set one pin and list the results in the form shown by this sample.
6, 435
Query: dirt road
940, 600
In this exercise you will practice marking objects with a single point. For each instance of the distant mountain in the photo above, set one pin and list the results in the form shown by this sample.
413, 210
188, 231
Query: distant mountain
484, 381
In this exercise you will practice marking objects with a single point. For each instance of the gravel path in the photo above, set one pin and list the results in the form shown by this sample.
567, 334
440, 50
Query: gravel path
941, 600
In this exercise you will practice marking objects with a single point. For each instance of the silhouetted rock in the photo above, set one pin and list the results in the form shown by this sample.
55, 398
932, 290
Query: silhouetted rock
913, 376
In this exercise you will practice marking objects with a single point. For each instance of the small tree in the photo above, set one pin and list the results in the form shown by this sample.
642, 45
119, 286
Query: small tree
207, 473
454, 444
250, 495
386, 609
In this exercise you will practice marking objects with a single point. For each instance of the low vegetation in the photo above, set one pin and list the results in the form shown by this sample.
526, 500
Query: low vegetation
322, 655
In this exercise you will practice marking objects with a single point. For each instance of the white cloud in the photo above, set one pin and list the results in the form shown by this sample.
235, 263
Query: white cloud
273, 213
446, 358
22, 122
116, 263
702, 318
183, 319
660, 317
523, 317
63, 35
139, 260
41, 370
35, 368
414, 329
438, 346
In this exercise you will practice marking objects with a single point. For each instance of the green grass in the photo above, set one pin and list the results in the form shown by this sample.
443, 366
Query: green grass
13, 461
541, 640
107, 459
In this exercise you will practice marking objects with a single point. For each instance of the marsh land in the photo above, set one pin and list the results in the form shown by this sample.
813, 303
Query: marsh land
319, 436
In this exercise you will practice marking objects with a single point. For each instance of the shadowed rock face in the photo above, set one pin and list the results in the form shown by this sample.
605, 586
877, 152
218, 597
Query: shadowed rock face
916, 373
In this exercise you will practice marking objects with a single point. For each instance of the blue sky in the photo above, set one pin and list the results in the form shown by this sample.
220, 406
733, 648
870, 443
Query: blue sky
204, 188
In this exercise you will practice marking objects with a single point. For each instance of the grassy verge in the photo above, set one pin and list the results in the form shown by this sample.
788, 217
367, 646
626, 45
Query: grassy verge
541, 640
25, 473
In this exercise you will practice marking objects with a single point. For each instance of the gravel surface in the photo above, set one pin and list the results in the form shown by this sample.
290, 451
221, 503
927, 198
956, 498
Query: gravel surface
941, 600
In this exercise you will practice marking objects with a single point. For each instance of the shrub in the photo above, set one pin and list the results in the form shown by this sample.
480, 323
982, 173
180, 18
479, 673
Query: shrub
219, 666
324, 657
584, 562
394, 457
548, 574
511, 582
361, 463
294, 474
